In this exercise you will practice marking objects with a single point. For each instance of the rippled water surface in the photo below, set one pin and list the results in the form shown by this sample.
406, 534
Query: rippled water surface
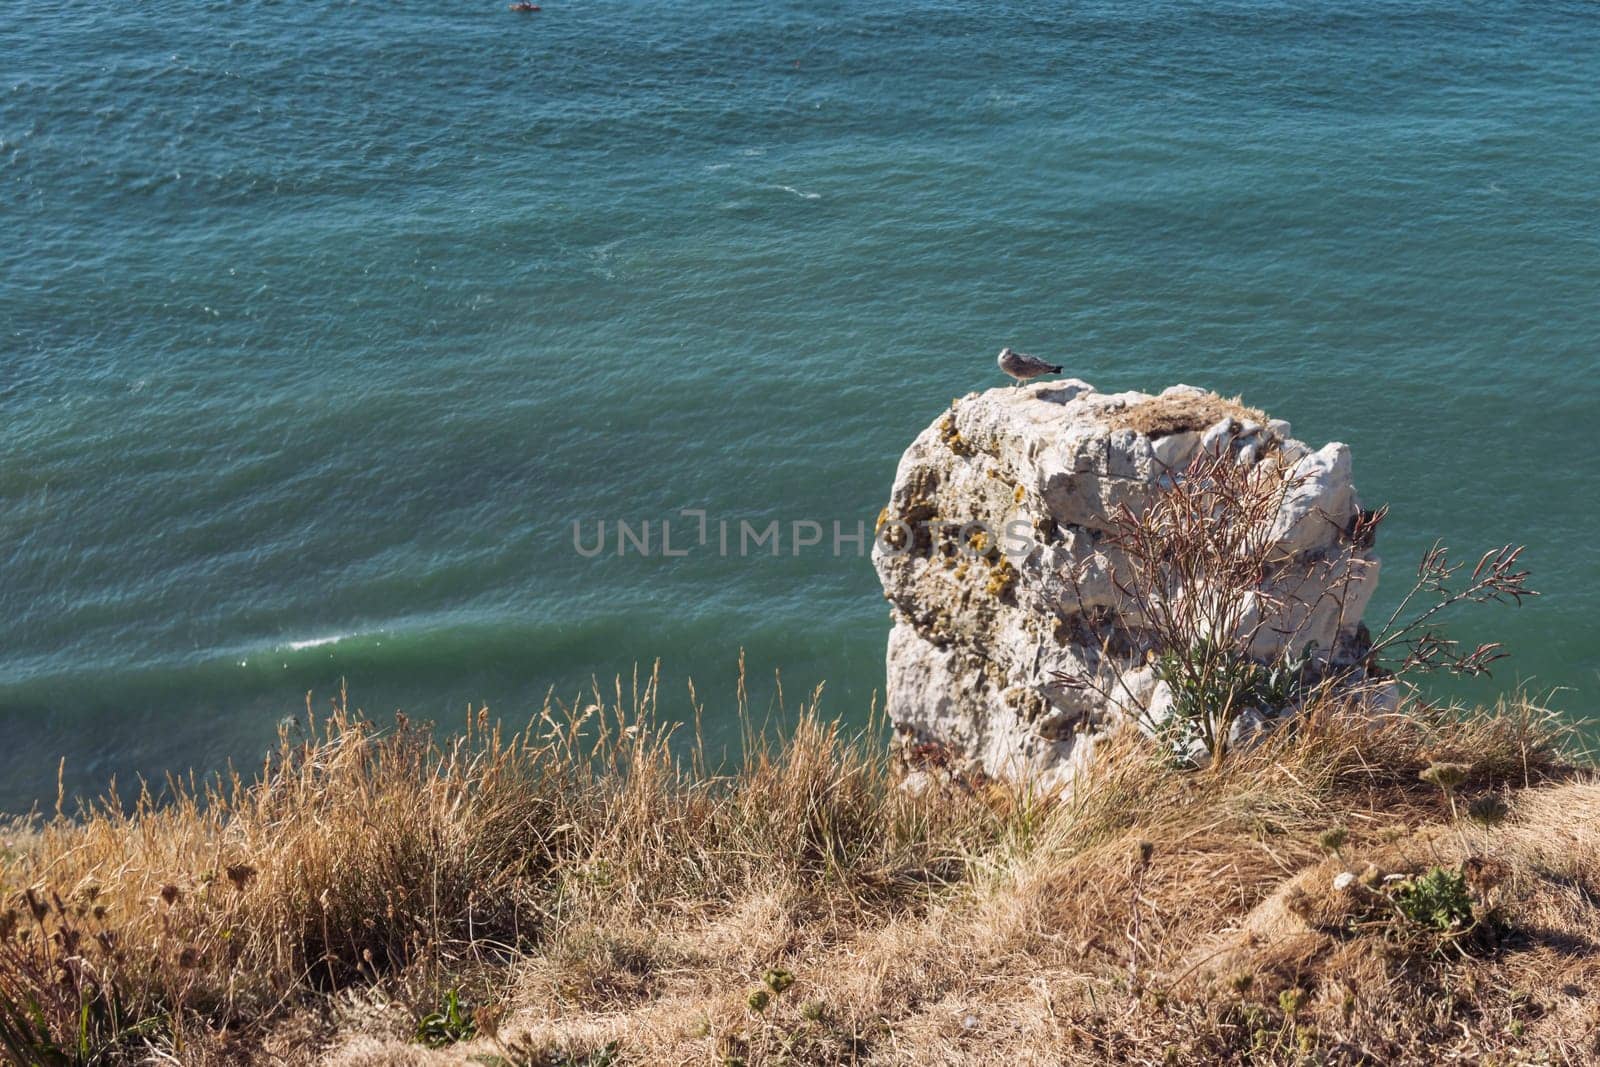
321, 323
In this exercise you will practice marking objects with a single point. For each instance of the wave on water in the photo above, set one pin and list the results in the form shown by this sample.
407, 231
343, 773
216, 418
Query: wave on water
797, 192
315, 642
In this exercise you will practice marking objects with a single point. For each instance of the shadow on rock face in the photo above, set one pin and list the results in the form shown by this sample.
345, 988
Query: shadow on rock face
1060, 392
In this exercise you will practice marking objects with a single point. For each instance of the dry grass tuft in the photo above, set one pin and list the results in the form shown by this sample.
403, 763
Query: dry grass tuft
587, 892
1162, 416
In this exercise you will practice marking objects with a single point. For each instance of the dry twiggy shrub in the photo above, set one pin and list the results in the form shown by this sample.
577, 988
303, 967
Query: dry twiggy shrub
1205, 593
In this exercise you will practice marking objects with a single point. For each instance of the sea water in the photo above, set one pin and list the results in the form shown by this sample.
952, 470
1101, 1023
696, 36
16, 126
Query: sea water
322, 323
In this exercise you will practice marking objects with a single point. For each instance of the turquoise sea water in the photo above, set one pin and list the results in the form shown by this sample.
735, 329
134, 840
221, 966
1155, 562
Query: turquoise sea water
321, 323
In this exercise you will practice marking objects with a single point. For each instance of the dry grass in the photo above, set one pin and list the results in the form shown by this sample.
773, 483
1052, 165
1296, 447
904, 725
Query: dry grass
593, 893
1161, 416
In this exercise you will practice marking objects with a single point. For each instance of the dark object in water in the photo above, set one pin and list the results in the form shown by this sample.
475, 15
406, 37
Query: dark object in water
523, 5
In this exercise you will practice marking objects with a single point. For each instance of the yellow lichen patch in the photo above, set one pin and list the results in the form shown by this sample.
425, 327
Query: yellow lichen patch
1161, 416
1019, 495
883, 517
952, 436
1002, 579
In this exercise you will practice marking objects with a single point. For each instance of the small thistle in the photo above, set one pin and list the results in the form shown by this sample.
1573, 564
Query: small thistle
1242, 982
240, 874
777, 979
170, 893
1332, 839
1291, 1001
1490, 810
37, 905
758, 1000
189, 958
1445, 775
812, 1011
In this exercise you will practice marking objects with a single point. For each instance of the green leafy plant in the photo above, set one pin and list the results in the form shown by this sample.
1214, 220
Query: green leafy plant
1438, 899
1212, 684
451, 1023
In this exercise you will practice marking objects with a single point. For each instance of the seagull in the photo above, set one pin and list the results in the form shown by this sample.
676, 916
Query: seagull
1023, 367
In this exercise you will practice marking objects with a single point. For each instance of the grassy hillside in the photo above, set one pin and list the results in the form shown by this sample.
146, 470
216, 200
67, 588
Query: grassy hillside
589, 891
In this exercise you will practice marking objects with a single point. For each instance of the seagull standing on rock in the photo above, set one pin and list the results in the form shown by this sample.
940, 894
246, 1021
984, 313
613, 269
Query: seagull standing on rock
1023, 367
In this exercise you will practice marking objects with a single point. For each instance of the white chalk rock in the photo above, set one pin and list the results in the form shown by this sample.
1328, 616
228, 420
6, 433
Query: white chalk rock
1320, 504
993, 553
